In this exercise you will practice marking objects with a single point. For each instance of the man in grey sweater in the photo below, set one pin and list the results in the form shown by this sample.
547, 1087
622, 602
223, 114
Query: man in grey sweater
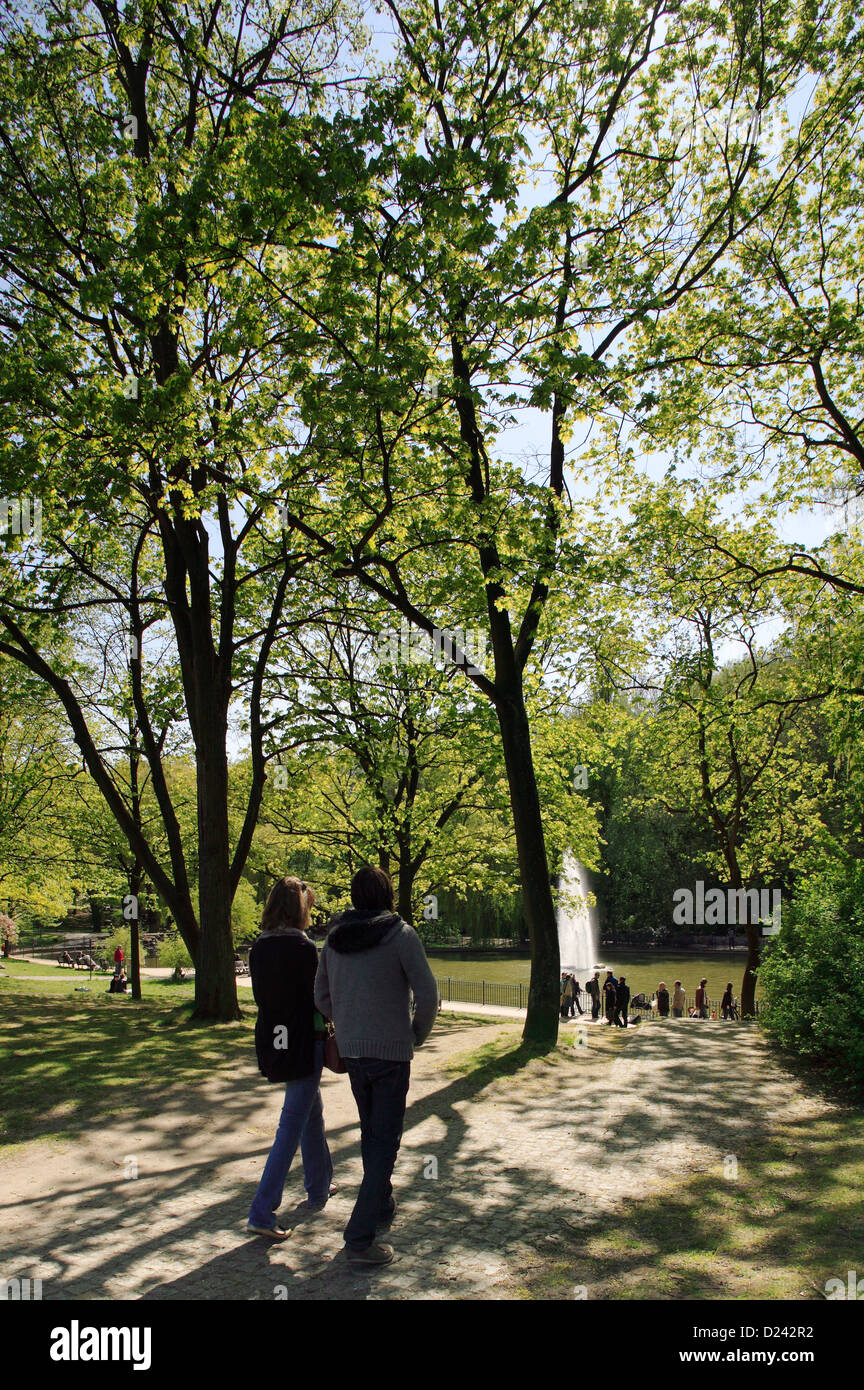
370, 963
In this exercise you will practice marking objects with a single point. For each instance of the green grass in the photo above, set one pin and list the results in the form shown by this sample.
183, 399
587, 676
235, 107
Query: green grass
507, 1054
24, 969
498, 1057
68, 1061
25, 977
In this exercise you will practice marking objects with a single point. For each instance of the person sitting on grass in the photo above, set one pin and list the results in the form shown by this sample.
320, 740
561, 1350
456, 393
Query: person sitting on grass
117, 984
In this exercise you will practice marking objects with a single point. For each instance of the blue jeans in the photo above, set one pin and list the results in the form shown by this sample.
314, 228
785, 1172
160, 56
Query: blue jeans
301, 1122
380, 1089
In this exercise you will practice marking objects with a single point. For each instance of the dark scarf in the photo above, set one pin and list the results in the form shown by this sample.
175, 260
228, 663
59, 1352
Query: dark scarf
359, 929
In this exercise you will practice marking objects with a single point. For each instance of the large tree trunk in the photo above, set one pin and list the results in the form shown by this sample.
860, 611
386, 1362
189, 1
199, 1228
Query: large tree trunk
748, 984
541, 1024
135, 879
754, 936
215, 981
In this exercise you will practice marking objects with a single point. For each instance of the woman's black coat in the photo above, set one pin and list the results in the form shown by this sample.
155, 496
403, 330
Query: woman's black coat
283, 977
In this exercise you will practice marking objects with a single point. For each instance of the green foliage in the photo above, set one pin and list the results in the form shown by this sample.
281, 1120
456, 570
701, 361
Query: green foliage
245, 914
508, 205
813, 975
172, 951
479, 915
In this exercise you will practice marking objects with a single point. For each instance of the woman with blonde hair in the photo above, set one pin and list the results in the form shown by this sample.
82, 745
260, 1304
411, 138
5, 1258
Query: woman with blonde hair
289, 1042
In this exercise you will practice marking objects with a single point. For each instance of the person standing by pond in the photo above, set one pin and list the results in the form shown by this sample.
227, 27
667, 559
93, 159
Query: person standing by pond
610, 988
701, 1000
576, 992
727, 1005
679, 999
592, 989
289, 1042
622, 1003
570, 997
564, 1001
663, 1001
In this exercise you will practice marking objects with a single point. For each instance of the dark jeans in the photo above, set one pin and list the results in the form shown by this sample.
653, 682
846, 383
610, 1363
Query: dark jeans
380, 1089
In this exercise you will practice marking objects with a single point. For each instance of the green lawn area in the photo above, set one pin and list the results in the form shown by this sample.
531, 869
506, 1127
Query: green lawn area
24, 969
23, 976
69, 1059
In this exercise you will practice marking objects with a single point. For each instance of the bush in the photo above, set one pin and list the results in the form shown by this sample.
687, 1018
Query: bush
812, 977
172, 951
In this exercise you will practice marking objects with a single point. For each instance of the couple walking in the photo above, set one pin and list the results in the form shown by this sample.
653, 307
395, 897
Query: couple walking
370, 964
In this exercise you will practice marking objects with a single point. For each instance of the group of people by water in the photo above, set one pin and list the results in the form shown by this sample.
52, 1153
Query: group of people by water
613, 995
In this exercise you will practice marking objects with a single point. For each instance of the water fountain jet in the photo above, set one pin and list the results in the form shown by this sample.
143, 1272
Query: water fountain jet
577, 929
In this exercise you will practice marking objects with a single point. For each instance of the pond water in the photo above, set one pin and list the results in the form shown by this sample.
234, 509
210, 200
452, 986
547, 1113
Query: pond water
643, 969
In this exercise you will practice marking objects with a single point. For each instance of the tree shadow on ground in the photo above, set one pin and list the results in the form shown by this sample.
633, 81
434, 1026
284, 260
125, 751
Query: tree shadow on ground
566, 1174
68, 1066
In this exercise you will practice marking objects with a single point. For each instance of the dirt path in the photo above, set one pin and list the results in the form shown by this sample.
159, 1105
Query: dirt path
490, 1173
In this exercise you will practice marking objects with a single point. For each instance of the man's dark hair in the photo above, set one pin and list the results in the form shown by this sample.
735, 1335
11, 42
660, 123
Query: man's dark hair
372, 890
